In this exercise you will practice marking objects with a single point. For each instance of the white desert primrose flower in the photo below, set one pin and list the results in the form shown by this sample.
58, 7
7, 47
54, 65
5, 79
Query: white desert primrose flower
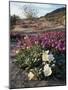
45, 55
51, 58
47, 70
30, 75
53, 65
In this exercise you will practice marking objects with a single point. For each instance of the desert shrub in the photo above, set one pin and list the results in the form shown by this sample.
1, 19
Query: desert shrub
30, 11
13, 20
28, 57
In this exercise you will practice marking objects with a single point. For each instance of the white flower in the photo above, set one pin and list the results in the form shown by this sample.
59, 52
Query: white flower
27, 47
30, 75
51, 58
17, 51
45, 56
47, 70
53, 65
47, 51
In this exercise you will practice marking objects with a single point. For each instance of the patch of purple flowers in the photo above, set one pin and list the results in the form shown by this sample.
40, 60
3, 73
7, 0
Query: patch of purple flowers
50, 39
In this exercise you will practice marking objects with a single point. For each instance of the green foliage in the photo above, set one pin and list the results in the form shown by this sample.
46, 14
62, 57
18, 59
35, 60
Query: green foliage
27, 58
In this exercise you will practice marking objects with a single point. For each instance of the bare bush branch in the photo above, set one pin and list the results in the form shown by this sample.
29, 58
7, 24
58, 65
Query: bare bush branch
30, 11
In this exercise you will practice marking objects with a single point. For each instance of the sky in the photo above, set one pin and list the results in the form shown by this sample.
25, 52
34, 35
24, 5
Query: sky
42, 9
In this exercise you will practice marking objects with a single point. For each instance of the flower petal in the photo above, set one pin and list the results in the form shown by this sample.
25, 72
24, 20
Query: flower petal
47, 70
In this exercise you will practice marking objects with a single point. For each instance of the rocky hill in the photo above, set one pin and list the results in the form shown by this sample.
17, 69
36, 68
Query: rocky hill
57, 16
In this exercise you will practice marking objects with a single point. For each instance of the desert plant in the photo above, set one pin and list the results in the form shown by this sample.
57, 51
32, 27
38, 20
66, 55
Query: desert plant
30, 11
13, 20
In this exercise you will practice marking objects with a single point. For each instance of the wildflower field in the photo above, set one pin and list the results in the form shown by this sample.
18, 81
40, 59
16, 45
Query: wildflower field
42, 55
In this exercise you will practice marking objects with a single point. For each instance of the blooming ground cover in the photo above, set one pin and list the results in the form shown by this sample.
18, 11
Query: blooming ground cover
42, 55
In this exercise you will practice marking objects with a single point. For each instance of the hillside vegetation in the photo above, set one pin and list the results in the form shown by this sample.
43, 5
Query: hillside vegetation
57, 16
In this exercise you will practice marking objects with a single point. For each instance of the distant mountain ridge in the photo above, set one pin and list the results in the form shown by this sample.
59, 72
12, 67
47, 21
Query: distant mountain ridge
57, 11
57, 16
